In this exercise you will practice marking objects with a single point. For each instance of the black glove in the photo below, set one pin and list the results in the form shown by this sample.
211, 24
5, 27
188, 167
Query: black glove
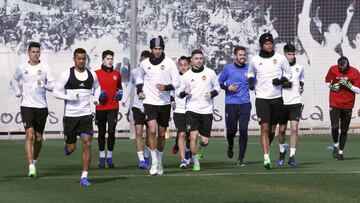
301, 84
251, 83
139, 88
286, 85
183, 94
169, 87
277, 81
214, 93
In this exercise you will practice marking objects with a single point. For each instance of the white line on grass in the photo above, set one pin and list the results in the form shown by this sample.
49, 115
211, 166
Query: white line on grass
190, 175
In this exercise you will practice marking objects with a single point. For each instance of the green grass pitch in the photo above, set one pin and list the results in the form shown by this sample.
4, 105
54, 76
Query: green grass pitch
319, 178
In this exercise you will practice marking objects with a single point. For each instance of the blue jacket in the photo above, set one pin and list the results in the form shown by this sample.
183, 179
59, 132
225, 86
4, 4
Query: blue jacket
235, 74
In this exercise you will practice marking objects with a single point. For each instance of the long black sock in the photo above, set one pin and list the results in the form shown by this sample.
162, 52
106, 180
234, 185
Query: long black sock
271, 137
176, 141
243, 139
230, 138
335, 134
111, 141
101, 141
343, 137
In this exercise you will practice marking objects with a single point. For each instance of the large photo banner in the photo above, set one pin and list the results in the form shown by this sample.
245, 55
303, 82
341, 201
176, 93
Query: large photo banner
322, 31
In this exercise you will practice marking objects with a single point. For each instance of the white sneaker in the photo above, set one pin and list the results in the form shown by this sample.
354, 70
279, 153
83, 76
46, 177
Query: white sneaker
154, 168
160, 169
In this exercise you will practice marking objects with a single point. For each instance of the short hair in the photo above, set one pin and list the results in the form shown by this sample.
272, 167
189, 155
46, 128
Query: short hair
145, 54
238, 48
33, 44
107, 52
196, 51
79, 51
343, 60
186, 58
289, 48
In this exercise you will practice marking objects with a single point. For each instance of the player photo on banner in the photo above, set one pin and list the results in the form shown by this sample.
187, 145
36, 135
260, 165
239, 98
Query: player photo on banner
321, 31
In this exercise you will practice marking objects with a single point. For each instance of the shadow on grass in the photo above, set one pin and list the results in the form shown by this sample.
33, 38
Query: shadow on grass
99, 180
351, 158
308, 163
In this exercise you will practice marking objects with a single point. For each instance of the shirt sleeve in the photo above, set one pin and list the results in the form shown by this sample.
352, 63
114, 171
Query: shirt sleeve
50, 81
302, 74
119, 86
140, 75
329, 77
129, 89
251, 70
182, 86
59, 89
174, 76
223, 77
96, 87
15, 81
285, 66
215, 82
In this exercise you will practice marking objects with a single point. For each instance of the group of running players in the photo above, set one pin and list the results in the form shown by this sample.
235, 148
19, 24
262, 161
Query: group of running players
187, 88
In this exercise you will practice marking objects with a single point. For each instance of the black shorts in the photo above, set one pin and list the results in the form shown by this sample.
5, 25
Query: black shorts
199, 122
159, 113
139, 117
34, 118
180, 122
268, 110
76, 126
290, 112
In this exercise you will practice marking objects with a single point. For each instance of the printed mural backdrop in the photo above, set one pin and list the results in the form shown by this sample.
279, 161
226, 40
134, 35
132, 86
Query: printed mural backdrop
321, 30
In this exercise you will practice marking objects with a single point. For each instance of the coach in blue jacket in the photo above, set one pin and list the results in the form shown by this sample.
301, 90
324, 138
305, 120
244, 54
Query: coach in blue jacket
234, 81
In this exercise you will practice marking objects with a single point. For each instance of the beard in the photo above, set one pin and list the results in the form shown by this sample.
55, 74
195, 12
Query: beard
241, 61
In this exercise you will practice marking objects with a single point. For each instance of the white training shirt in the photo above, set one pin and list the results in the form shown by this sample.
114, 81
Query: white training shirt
180, 103
77, 106
292, 95
199, 83
149, 75
131, 88
265, 70
26, 83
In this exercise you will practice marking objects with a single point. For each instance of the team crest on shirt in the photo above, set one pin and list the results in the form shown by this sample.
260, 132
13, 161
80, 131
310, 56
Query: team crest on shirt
203, 77
274, 61
162, 67
149, 68
39, 72
192, 80
260, 64
297, 70
114, 77
26, 72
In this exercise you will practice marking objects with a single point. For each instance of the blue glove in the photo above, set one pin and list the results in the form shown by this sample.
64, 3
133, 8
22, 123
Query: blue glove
103, 96
119, 95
